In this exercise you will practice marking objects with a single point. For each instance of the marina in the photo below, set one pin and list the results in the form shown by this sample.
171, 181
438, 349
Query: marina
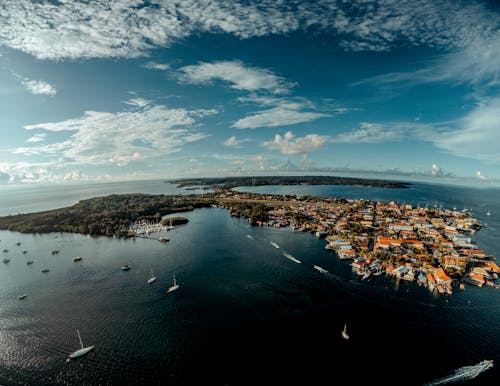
241, 278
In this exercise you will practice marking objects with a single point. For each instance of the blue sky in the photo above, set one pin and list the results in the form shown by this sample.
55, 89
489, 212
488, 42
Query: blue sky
129, 89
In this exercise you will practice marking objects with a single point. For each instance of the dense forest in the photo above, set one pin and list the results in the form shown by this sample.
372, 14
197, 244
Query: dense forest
110, 215
232, 182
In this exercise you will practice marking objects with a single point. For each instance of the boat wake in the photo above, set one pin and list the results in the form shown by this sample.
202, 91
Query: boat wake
250, 237
274, 244
288, 256
464, 373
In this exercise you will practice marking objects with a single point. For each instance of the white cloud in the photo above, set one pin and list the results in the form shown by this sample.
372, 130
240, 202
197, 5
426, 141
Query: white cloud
121, 137
289, 144
277, 117
234, 142
436, 170
240, 77
39, 87
130, 28
371, 133
137, 102
478, 136
37, 138
284, 111
156, 66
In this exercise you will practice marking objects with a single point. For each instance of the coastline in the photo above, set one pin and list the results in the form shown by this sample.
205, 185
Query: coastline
431, 246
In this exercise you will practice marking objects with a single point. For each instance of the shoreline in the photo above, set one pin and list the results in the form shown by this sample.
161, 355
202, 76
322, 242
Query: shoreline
429, 245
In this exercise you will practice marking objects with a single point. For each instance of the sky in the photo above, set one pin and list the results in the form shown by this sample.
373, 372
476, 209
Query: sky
100, 90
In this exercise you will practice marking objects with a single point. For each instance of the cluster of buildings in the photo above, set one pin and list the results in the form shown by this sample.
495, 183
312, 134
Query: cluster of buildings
431, 246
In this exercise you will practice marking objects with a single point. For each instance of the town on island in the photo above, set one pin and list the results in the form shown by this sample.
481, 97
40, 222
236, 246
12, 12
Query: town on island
429, 245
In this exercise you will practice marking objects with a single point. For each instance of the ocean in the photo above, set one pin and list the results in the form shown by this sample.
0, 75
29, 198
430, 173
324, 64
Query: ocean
246, 312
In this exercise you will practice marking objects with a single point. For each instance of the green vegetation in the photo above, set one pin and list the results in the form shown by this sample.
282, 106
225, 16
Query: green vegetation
110, 216
174, 221
232, 182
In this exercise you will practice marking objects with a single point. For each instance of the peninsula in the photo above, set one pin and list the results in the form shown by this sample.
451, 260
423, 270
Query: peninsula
429, 245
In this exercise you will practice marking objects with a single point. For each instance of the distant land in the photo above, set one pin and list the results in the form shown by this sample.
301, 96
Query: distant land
233, 182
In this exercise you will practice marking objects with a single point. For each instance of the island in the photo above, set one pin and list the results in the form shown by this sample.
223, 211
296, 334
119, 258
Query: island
233, 182
431, 246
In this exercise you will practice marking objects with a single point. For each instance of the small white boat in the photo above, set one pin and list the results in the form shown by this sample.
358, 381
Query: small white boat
23, 296
170, 226
344, 332
290, 257
274, 244
80, 352
173, 288
320, 269
77, 258
125, 267
488, 213
366, 275
152, 279
164, 239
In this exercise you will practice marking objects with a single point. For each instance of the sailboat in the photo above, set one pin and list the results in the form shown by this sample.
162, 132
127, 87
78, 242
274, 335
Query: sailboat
173, 288
344, 332
488, 213
170, 226
79, 352
152, 279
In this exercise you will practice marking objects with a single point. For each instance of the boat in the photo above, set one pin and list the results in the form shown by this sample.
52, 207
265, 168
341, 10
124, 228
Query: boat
290, 257
488, 213
170, 226
29, 262
45, 270
77, 258
25, 252
6, 260
126, 267
152, 279
55, 252
23, 296
366, 275
5, 250
79, 352
274, 244
173, 288
344, 332
18, 243
164, 239
320, 269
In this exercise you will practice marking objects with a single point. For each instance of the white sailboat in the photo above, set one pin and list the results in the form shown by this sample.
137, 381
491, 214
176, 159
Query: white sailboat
170, 226
173, 288
79, 352
344, 332
152, 279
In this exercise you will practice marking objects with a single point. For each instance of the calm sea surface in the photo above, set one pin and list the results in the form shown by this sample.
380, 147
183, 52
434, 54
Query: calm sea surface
244, 312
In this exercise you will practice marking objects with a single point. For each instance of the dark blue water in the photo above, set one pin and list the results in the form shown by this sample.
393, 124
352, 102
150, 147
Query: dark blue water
244, 313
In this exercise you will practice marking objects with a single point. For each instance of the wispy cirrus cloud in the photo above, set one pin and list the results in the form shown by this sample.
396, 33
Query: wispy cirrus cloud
369, 132
277, 116
282, 111
39, 87
290, 144
37, 138
238, 75
118, 138
475, 135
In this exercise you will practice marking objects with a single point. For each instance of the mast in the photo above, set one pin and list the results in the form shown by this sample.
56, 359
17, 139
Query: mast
174, 281
79, 337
